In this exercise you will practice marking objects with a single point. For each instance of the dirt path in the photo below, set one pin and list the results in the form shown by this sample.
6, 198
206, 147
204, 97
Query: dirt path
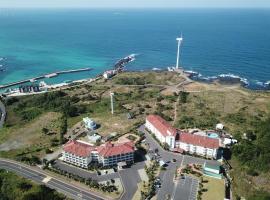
175, 109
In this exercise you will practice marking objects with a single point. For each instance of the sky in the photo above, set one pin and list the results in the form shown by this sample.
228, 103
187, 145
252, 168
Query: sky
135, 3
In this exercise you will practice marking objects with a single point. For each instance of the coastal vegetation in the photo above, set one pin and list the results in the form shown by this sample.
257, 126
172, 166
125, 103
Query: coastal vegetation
14, 187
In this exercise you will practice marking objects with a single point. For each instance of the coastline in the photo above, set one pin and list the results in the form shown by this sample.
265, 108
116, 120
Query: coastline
190, 85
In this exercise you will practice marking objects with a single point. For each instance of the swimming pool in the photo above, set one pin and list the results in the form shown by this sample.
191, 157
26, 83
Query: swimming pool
213, 135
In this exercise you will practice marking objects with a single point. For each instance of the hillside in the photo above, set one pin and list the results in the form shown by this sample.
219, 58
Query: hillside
141, 93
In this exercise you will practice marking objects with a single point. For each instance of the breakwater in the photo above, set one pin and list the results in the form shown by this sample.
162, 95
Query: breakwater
50, 75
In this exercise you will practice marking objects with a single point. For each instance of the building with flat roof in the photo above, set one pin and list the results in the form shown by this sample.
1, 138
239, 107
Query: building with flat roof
82, 154
212, 170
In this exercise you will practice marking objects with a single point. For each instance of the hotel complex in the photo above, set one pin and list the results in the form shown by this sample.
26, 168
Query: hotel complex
82, 154
178, 140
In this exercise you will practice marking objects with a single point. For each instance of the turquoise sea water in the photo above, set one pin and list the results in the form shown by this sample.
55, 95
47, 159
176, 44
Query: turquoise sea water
216, 41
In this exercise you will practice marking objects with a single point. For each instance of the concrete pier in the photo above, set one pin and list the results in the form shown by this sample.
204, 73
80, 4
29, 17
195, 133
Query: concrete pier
44, 76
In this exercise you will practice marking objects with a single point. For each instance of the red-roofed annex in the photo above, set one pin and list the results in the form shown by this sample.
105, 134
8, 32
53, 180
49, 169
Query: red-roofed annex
181, 141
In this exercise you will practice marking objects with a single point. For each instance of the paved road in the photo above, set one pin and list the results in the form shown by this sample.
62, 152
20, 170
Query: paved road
40, 177
84, 173
3, 114
129, 176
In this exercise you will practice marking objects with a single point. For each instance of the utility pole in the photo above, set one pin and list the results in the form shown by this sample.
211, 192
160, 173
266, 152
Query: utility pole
112, 109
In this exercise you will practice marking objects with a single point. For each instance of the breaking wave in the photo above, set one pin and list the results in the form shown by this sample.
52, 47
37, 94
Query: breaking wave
230, 79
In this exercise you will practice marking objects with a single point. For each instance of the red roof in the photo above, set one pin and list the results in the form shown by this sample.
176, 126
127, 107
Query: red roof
78, 148
199, 140
82, 149
110, 149
162, 125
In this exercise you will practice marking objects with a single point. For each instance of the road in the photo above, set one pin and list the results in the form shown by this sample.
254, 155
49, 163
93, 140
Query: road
3, 114
41, 177
129, 176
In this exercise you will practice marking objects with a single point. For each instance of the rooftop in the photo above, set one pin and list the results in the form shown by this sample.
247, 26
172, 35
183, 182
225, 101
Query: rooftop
212, 166
165, 128
199, 140
78, 148
84, 149
110, 149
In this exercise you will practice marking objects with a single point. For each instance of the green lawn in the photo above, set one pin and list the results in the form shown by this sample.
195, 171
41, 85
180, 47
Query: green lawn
215, 189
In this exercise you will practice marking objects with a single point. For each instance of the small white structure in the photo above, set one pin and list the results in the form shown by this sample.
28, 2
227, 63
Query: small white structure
109, 74
89, 123
229, 141
93, 138
219, 126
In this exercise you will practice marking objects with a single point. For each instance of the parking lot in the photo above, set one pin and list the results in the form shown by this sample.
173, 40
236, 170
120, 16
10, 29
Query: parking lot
186, 189
129, 176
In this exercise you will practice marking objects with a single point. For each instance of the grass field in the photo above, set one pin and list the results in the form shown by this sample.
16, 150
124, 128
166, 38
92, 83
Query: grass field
215, 189
28, 138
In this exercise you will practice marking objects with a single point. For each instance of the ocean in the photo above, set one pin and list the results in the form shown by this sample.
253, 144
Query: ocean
235, 42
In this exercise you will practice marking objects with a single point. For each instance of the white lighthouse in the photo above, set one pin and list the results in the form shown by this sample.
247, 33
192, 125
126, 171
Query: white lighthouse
180, 40
112, 109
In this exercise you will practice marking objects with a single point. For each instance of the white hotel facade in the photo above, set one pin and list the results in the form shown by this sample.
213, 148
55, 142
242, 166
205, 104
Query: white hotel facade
81, 154
181, 141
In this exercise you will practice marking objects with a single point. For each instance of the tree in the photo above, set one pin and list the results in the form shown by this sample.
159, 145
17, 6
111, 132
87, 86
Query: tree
183, 96
166, 146
45, 130
63, 128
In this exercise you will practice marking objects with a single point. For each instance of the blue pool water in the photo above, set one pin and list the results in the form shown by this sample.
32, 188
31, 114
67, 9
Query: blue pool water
213, 135
216, 41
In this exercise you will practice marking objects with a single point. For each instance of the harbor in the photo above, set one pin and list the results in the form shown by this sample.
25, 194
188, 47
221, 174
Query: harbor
50, 75
41, 87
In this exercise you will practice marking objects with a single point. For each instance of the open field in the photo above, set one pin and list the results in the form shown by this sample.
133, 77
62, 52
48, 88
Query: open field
29, 137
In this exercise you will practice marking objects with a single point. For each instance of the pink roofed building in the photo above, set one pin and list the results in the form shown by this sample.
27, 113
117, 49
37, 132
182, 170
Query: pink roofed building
82, 154
163, 130
181, 141
197, 144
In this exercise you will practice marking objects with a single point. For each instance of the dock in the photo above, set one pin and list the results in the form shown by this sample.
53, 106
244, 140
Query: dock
50, 75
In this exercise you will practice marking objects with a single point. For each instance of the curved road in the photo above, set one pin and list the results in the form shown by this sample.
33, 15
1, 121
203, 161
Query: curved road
41, 177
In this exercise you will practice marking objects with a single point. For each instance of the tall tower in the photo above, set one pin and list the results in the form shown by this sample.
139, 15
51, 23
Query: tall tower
112, 109
180, 40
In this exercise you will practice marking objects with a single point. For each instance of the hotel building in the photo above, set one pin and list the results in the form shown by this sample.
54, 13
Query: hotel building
82, 154
181, 141
163, 131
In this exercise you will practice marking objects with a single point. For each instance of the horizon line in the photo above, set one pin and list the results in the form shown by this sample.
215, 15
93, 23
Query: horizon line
161, 8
